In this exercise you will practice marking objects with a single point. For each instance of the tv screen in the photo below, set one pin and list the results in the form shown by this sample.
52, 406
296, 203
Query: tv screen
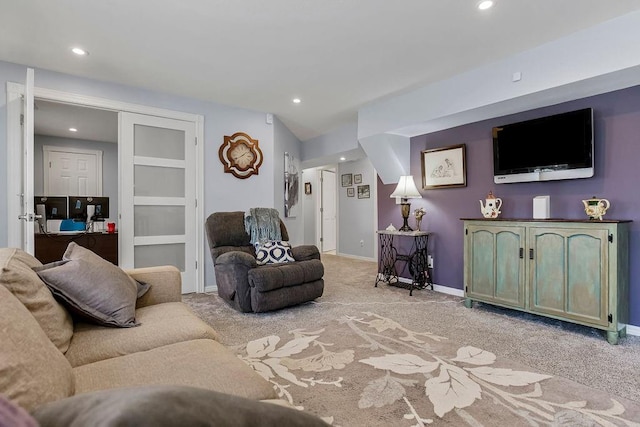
78, 207
548, 148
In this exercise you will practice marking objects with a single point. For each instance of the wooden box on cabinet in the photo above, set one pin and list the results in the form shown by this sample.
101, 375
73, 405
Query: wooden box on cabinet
576, 271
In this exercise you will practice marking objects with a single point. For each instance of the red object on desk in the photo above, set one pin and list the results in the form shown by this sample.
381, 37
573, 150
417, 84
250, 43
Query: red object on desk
111, 227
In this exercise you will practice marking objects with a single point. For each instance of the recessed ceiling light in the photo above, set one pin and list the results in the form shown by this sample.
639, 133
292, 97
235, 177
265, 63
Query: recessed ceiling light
73, 130
342, 159
486, 4
297, 100
79, 51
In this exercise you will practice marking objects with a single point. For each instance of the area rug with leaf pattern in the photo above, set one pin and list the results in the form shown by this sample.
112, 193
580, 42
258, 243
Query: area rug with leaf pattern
364, 356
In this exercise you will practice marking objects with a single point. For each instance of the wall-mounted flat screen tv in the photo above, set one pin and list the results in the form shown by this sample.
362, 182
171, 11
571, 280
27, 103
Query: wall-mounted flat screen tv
549, 148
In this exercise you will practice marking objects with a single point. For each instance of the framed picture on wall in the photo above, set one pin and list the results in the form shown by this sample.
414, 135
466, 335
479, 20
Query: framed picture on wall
346, 179
351, 192
363, 192
444, 167
357, 178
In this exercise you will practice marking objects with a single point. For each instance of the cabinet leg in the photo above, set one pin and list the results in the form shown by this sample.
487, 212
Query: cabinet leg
622, 333
468, 302
612, 337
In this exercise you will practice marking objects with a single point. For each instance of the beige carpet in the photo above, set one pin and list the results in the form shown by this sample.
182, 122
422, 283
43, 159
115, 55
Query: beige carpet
366, 356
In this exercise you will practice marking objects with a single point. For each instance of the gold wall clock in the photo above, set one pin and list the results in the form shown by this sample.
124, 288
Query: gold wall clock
240, 155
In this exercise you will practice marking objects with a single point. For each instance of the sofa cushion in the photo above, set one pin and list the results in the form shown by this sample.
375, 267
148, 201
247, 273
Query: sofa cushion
159, 406
17, 276
273, 252
160, 325
275, 276
198, 363
92, 287
32, 370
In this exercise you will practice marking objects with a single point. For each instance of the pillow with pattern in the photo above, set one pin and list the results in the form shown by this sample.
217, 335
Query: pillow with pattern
273, 252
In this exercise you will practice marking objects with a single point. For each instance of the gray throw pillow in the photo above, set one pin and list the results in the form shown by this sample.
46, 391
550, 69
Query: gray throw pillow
92, 287
168, 406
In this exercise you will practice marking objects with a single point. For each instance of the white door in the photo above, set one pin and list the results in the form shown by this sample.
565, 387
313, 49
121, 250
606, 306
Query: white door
27, 214
158, 194
72, 172
328, 210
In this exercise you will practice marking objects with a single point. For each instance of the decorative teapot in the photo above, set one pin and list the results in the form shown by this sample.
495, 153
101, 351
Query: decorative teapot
596, 208
491, 208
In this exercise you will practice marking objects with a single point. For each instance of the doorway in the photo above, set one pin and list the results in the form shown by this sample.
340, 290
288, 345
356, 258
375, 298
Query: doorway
328, 211
193, 277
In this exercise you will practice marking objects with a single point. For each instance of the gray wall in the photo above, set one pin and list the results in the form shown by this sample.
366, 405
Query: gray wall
356, 217
109, 165
310, 205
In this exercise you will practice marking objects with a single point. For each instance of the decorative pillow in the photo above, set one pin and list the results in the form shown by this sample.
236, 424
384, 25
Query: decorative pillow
17, 276
273, 252
92, 287
168, 406
13, 415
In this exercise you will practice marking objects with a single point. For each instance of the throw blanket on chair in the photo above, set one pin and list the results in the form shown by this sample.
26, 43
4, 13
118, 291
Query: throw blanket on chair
262, 224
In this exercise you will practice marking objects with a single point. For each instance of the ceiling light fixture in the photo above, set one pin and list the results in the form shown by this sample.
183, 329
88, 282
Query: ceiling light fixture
342, 159
73, 130
79, 51
484, 5
297, 100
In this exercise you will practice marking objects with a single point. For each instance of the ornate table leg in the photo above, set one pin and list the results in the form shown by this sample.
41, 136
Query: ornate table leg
387, 263
419, 267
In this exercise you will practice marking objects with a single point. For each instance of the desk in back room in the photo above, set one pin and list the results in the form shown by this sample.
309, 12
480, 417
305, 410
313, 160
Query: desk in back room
50, 247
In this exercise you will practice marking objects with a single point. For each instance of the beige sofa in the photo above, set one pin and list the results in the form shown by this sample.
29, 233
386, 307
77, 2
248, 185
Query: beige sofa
45, 356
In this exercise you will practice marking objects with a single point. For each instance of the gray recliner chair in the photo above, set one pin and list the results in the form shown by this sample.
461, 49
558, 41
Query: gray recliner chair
249, 287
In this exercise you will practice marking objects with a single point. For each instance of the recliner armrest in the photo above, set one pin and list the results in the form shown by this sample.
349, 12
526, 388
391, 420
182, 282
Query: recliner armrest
237, 257
305, 252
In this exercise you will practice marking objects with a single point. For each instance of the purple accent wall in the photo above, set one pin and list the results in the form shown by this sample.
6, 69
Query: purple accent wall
617, 172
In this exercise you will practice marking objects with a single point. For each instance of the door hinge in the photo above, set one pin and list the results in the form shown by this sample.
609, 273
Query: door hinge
610, 318
21, 119
196, 203
196, 264
610, 238
466, 231
466, 289
321, 239
196, 140
530, 253
521, 253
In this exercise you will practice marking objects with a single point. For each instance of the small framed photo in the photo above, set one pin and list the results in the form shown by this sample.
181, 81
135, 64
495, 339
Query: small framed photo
351, 192
347, 179
307, 188
444, 167
363, 192
357, 178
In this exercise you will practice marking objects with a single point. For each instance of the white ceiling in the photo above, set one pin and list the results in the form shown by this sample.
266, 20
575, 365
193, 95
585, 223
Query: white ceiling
55, 119
336, 55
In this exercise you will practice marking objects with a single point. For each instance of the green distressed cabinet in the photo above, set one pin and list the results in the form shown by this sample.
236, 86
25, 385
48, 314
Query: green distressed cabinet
576, 271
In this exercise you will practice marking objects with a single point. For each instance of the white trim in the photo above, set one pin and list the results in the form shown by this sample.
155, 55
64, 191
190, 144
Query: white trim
158, 240
14, 164
633, 330
159, 201
199, 161
211, 288
438, 288
47, 149
362, 258
164, 163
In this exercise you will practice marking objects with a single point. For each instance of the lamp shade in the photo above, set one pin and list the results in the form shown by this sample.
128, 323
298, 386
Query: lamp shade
406, 189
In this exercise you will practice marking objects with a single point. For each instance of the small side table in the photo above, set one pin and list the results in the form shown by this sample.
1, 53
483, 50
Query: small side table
417, 259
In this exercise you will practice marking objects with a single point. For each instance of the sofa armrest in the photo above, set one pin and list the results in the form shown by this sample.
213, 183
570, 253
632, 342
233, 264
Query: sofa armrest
165, 281
305, 252
237, 257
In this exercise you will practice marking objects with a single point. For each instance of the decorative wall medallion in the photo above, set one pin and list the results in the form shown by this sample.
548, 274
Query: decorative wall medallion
240, 155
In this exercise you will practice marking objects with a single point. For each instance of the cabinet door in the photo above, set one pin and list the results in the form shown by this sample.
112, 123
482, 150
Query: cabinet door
568, 273
495, 269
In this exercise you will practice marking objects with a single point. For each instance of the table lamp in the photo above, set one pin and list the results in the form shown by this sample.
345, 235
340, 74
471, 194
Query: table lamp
406, 190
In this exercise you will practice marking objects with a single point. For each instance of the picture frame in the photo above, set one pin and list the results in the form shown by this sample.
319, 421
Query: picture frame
357, 178
307, 188
351, 192
364, 192
346, 179
444, 167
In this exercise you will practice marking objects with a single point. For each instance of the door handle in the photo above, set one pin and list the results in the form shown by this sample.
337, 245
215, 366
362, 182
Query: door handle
30, 217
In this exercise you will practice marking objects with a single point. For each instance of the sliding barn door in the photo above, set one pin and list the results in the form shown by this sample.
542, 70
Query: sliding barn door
158, 195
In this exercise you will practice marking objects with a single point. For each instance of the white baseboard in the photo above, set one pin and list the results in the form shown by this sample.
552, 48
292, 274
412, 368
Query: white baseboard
208, 289
361, 258
438, 288
633, 330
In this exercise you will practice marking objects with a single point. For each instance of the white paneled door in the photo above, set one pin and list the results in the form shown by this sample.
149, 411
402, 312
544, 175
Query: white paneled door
329, 226
72, 172
27, 215
158, 194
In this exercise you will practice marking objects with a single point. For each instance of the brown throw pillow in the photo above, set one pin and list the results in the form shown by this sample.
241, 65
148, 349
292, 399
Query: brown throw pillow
168, 406
92, 287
